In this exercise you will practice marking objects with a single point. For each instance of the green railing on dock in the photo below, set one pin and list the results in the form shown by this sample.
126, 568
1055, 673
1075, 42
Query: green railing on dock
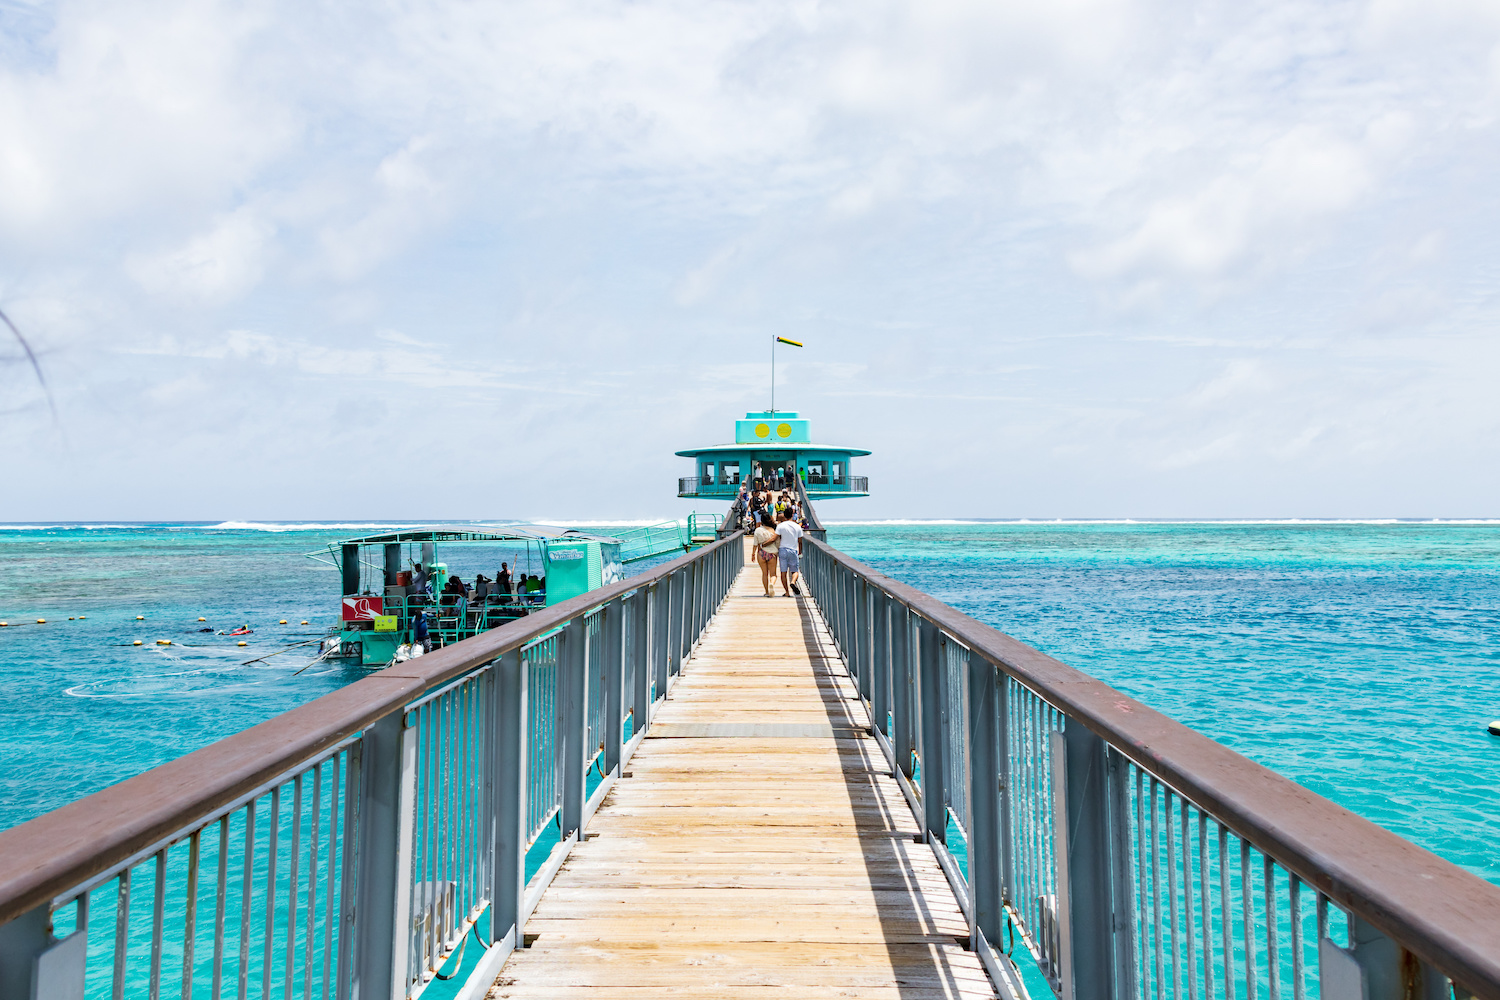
651, 540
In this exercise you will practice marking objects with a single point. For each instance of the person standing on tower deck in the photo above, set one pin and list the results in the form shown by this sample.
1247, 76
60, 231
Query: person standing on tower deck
789, 534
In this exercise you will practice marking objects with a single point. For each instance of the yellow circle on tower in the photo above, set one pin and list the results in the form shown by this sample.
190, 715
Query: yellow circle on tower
761, 430
784, 430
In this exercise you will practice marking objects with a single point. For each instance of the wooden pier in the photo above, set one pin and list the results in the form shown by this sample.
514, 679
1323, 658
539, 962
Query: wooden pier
755, 846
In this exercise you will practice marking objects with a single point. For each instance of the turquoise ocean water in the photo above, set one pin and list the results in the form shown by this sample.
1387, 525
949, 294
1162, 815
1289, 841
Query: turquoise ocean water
1359, 659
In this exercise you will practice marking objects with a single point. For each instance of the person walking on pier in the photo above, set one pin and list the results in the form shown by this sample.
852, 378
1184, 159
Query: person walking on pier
789, 533
766, 543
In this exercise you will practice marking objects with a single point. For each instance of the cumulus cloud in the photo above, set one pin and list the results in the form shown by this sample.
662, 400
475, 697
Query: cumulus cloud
1144, 249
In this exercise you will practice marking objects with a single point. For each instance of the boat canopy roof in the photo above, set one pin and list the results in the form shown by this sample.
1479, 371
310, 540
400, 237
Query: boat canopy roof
481, 533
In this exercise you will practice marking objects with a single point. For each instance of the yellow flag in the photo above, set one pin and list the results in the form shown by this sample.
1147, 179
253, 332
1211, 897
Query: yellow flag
783, 340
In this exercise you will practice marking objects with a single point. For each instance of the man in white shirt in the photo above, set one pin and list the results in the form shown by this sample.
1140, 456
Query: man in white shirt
791, 549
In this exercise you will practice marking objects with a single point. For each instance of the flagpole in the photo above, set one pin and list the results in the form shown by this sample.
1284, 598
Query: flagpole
773, 377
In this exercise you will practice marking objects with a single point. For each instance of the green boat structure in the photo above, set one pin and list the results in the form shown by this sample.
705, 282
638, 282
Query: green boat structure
395, 583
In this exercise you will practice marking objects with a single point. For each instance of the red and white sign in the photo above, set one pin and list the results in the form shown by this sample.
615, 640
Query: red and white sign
362, 609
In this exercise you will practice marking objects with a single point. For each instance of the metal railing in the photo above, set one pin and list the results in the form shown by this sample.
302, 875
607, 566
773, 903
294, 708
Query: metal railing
688, 486
1131, 857
351, 847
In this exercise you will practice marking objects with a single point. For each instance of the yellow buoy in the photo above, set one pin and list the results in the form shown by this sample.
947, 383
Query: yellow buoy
304, 621
82, 617
70, 618
3, 624
242, 642
164, 642
203, 619
136, 643
140, 618
41, 621
282, 622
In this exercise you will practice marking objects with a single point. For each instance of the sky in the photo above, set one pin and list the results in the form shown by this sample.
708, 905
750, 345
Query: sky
301, 261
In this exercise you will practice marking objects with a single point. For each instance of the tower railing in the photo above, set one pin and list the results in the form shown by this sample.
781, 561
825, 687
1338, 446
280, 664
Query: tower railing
355, 846
1129, 856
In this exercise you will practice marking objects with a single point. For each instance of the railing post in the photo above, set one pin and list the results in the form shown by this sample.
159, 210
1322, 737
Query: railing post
846, 640
863, 644
661, 601
387, 797
573, 664
640, 646
684, 606
934, 757
985, 876
614, 683
903, 738
880, 663
1002, 736
1376, 969
692, 605
1081, 836
673, 646
510, 765
700, 600
34, 965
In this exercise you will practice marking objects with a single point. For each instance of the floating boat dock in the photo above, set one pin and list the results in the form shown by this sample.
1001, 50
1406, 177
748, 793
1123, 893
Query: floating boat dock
747, 852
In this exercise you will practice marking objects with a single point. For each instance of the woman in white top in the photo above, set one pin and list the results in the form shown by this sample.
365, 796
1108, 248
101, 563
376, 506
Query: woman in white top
766, 544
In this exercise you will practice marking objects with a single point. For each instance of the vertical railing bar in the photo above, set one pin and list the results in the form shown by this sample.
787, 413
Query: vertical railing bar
158, 908
1226, 920
1142, 887
1041, 771
1322, 919
1299, 989
219, 904
1247, 908
463, 896
273, 836
444, 862
1007, 788
122, 933
463, 893
190, 913
348, 860
1188, 951
434, 725
247, 879
309, 946
1208, 967
1176, 940
447, 861
1273, 959
289, 975
333, 881
1156, 890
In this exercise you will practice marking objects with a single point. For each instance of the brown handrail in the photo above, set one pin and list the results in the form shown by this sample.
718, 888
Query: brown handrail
1435, 909
61, 849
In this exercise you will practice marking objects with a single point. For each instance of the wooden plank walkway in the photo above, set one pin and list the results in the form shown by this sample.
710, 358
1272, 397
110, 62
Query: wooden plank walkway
756, 845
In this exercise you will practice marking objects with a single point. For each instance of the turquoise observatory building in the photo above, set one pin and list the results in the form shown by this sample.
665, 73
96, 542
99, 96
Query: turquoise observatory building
767, 441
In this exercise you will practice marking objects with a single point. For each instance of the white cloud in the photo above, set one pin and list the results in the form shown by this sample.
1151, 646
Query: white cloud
1142, 249
218, 266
